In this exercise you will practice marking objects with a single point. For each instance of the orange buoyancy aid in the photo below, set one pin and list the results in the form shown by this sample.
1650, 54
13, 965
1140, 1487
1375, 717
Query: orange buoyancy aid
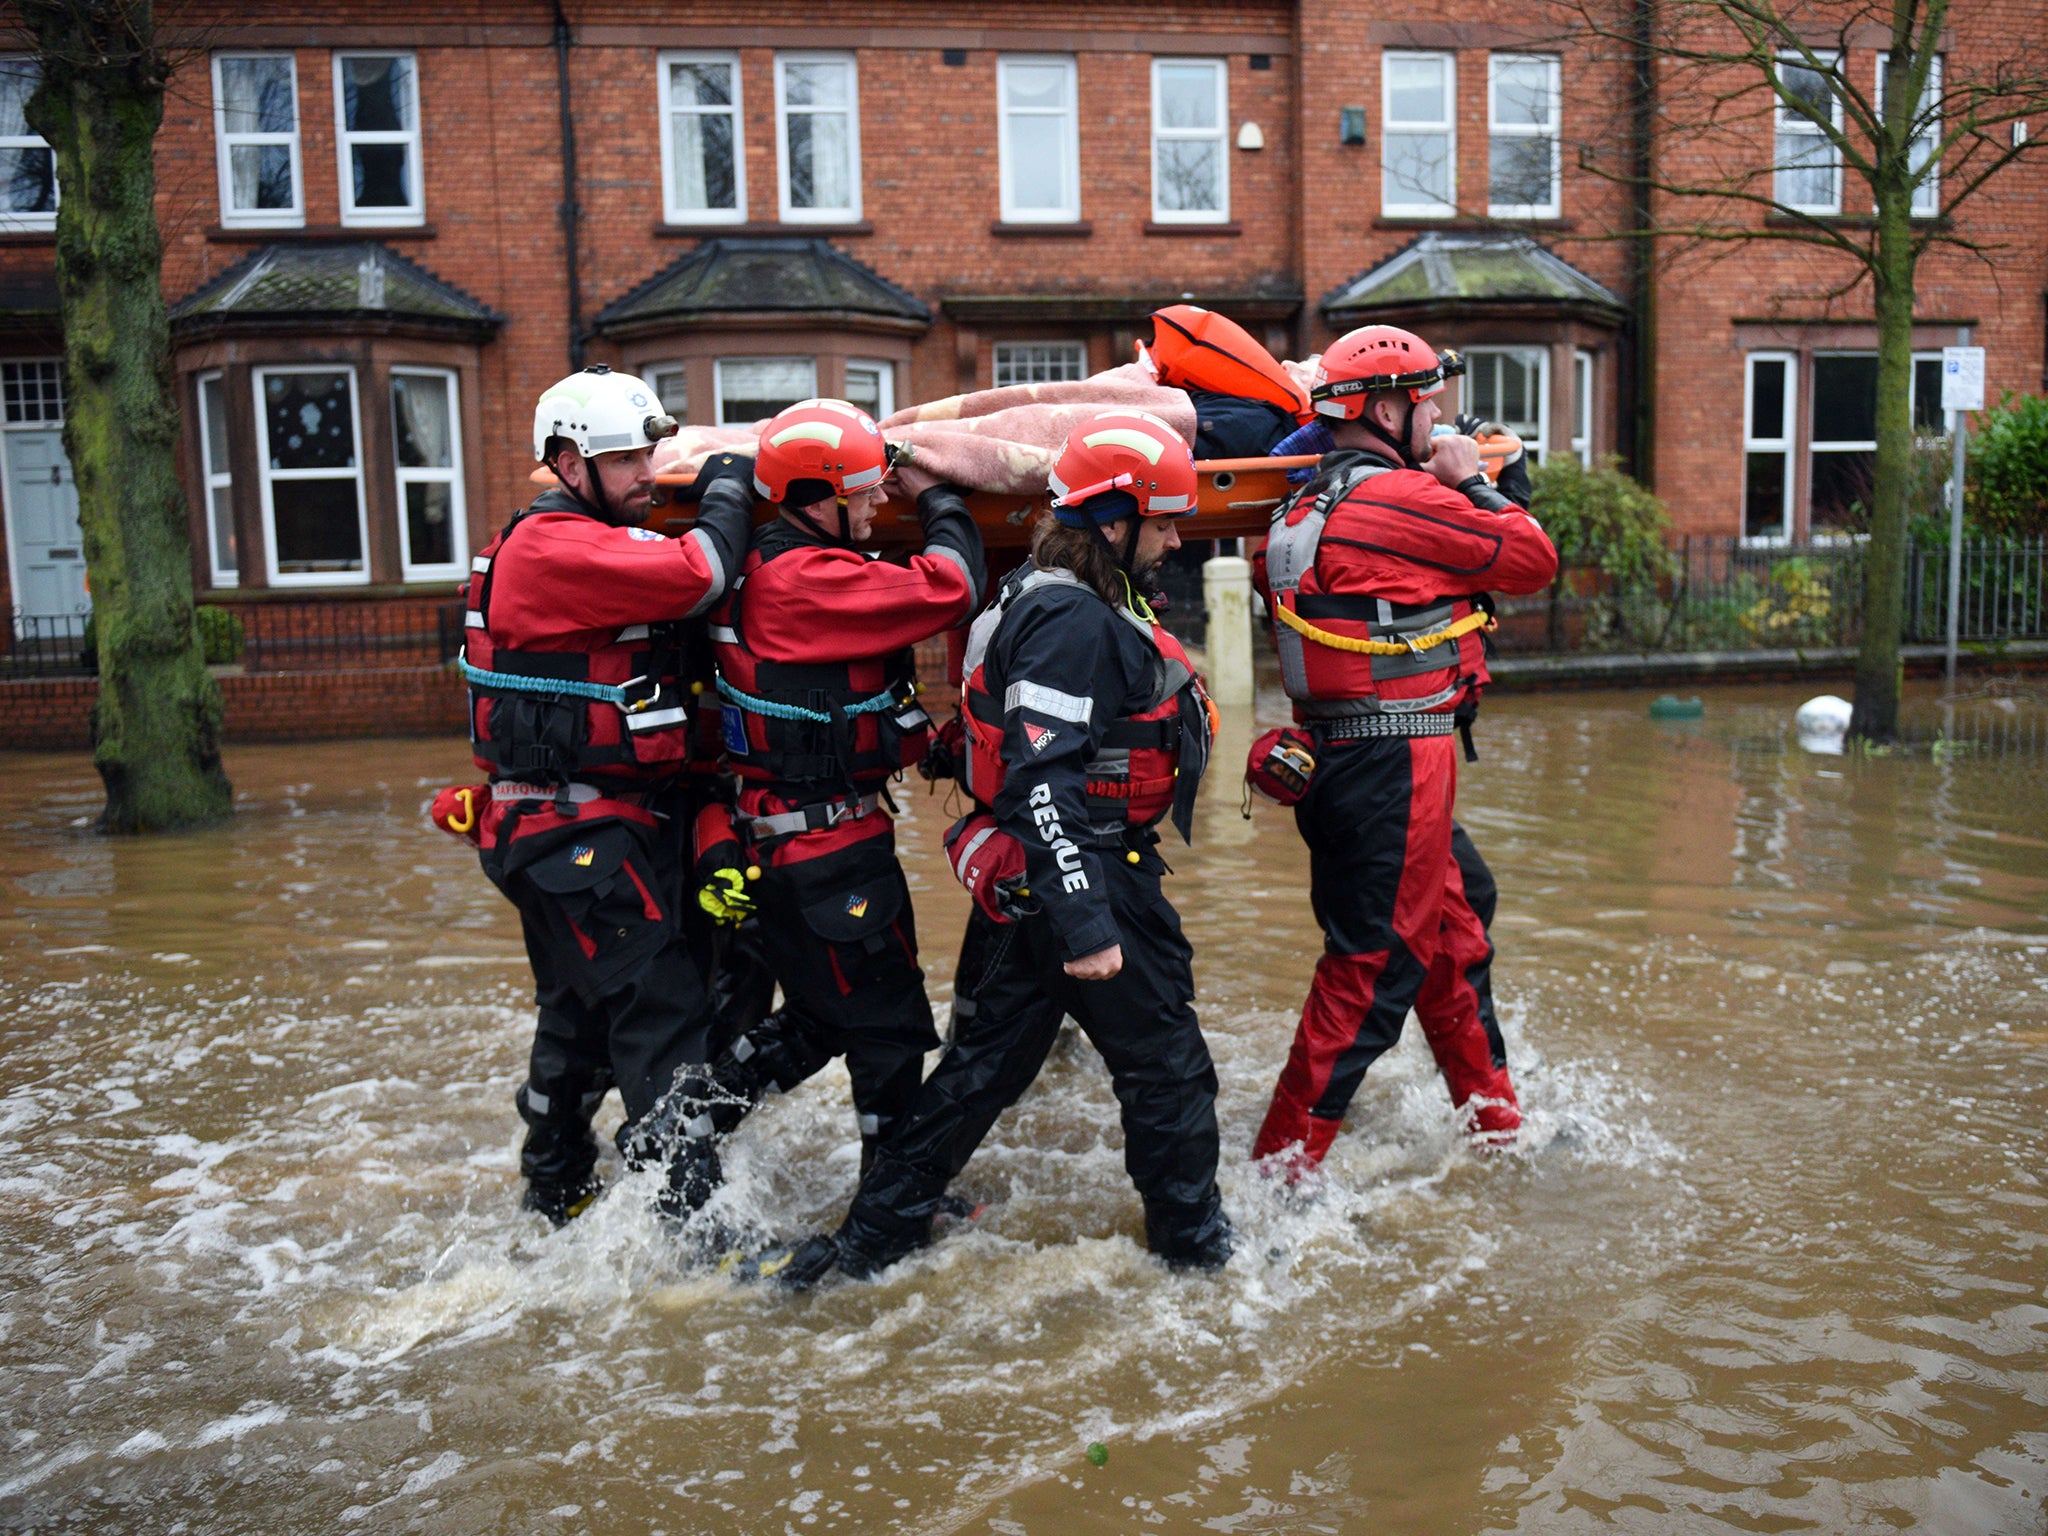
613, 711
1339, 651
812, 728
1133, 777
1195, 348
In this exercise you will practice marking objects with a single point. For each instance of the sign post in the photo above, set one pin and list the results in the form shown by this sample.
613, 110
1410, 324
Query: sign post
1962, 391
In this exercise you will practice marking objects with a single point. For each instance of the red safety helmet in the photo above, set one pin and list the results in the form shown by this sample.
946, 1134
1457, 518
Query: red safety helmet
826, 440
1377, 357
1130, 451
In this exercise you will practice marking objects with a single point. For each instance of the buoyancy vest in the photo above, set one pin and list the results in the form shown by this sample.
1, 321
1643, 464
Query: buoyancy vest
1136, 775
1198, 349
1338, 649
614, 713
812, 728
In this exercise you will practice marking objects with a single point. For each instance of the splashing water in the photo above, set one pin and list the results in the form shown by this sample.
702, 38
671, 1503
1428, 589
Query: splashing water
1768, 1251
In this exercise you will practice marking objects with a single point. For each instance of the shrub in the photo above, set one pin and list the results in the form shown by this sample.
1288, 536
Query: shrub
1600, 517
220, 635
2006, 491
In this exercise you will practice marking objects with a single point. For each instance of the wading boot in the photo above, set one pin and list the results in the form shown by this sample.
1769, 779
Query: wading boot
561, 1204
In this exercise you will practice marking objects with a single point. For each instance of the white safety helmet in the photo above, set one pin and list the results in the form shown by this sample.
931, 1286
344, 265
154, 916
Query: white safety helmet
600, 412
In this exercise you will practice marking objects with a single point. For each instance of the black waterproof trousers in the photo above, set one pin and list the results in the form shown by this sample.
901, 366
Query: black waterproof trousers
622, 998
838, 931
1482, 894
1010, 996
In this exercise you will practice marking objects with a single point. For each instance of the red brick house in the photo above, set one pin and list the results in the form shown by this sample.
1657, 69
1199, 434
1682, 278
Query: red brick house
386, 230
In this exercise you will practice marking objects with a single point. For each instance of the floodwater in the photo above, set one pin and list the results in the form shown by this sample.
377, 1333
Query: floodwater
1772, 1257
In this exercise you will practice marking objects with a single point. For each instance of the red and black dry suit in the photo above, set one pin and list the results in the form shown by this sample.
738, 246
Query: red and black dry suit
580, 710
817, 681
1086, 726
1371, 551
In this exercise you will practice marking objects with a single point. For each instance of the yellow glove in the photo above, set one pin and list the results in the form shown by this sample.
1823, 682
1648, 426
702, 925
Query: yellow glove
726, 897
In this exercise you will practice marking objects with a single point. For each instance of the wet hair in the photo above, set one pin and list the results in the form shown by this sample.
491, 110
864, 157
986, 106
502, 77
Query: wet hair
1056, 546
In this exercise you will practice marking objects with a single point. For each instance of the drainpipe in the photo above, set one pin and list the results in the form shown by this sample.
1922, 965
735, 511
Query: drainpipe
571, 214
1639, 341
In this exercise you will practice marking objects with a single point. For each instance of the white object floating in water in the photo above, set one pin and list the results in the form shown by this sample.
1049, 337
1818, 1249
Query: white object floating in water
1822, 723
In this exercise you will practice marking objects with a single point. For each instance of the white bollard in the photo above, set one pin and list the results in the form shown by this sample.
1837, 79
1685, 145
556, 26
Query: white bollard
1227, 594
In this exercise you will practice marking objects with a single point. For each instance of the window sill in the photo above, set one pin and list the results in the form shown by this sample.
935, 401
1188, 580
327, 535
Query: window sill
357, 592
1464, 223
1857, 221
1073, 229
712, 231
28, 237
243, 234
1224, 230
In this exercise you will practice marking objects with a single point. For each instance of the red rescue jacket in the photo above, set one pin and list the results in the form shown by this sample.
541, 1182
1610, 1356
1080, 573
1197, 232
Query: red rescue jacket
576, 651
817, 679
1369, 552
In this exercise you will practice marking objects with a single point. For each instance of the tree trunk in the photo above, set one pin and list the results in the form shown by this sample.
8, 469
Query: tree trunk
156, 727
1878, 669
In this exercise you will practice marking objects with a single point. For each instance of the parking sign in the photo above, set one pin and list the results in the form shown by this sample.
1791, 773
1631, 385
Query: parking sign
1962, 378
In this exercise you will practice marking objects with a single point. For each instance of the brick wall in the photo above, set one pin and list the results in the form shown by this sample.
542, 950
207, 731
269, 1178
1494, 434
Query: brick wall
1304, 210
56, 714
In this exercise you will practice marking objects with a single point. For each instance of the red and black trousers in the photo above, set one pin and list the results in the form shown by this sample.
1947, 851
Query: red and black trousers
1399, 932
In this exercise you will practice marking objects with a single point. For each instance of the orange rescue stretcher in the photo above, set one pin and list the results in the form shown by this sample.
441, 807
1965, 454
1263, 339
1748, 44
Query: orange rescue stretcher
1236, 500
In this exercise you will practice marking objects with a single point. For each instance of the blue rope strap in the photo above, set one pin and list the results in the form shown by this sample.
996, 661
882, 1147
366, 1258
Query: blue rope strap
769, 707
512, 682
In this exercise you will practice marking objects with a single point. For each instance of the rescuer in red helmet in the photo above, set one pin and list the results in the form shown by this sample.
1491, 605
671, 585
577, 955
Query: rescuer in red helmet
1377, 572
1086, 726
578, 637
818, 686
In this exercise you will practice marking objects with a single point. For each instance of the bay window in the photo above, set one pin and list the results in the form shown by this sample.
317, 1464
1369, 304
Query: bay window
309, 459
427, 449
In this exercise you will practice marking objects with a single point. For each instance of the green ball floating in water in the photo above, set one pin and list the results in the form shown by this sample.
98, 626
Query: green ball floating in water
1098, 1454
1669, 706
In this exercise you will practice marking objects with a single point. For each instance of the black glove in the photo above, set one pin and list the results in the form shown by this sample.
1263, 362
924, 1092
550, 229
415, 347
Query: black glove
720, 466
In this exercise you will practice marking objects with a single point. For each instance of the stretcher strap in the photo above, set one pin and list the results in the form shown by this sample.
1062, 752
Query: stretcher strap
769, 707
1413, 645
513, 682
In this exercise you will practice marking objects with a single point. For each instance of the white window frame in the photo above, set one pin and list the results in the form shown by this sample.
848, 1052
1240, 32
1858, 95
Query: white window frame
1787, 444
1553, 130
886, 395
26, 223
457, 564
1926, 196
1071, 139
653, 373
214, 477
849, 214
1582, 405
1787, 123
996, 357
1219, 136
737, 214
718, 367
1447, 126
267, 477
1540, 414
414, 212
1815, 444
224, 143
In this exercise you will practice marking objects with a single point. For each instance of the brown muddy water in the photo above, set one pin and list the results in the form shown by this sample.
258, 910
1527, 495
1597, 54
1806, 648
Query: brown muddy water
1773, 1257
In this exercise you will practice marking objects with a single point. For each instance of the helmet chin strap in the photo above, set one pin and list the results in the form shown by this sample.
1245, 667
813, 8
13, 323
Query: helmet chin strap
1401, 448
843, 539
1121, 558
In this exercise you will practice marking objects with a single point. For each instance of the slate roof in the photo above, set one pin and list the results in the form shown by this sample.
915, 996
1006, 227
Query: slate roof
775, 274
348, 282
1443, 269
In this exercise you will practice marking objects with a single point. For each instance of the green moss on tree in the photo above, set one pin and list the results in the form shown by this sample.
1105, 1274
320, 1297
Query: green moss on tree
156, 727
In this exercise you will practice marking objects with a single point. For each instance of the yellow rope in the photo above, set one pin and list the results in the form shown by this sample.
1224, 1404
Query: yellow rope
1411, 646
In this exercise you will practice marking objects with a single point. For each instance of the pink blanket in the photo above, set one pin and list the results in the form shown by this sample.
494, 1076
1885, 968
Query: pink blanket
1001, 440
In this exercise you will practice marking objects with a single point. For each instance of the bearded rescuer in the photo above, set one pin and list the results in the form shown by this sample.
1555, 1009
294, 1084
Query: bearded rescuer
1086, 726
818, 683
580, 705
1378, 570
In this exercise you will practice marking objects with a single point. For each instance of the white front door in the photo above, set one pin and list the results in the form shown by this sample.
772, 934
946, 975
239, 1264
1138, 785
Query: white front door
47, 552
